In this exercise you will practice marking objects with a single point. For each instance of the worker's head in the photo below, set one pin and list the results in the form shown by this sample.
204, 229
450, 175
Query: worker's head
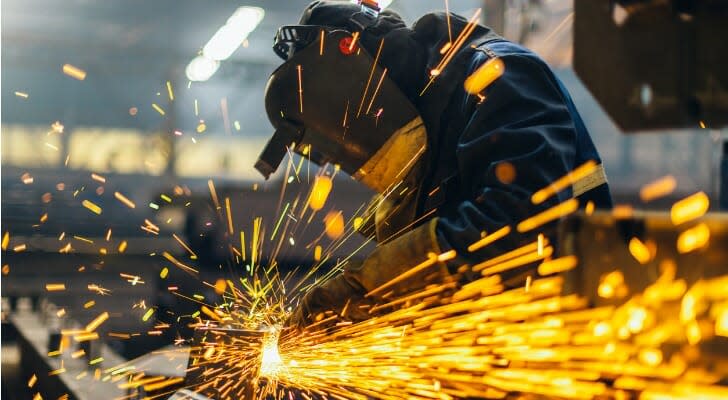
344, 93
402, 55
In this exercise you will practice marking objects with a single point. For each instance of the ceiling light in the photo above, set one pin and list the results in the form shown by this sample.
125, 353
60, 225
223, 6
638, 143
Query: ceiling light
231, 35
201, 69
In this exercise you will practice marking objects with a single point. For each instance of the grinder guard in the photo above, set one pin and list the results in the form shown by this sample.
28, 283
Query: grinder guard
345, 111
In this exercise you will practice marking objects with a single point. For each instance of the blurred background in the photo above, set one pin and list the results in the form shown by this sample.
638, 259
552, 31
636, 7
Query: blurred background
155, 121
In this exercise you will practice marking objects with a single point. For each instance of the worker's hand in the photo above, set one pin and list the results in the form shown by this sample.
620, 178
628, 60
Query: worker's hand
338, 299
386, 274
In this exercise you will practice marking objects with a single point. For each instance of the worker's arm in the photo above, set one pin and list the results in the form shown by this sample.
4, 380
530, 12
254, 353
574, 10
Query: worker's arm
522, 125
403, 265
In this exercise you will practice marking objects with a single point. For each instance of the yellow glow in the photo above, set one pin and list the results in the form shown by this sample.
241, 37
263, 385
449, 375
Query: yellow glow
558, 265
605, 290
74, 72
602, 329
147, 315
687, 308
158, 109
220, 286
270, 362
651, 357
488, 239
334, 224
55, 287
91, 206
589, 209
484, 76
119, 196
693, 333
320, 192
639, 251
637, 317
93, 325
549, 215
690, 208
721, 323
505, 172
209, 353
693, 239
658, 188
317, 253
565, 181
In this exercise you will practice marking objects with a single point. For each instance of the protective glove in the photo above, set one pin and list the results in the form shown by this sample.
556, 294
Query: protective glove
351, 294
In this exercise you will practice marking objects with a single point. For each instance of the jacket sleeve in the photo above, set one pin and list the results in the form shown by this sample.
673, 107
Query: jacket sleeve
523, 125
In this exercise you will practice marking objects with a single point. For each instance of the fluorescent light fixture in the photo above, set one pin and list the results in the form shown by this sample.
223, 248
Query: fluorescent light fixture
201, 69
228, 38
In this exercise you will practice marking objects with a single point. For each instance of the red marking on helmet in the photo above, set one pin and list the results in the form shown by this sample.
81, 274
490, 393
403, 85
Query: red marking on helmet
346, 47
370, 3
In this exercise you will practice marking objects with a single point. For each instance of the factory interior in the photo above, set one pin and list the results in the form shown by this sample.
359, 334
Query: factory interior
178, 222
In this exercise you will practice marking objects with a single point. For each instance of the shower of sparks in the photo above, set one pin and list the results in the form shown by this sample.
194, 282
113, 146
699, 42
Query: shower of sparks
482, 339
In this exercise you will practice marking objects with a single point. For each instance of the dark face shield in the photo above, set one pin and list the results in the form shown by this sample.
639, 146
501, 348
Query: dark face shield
334, 103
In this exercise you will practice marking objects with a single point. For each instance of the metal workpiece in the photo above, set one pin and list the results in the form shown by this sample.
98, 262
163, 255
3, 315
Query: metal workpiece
643, 263
654, 64
604, 243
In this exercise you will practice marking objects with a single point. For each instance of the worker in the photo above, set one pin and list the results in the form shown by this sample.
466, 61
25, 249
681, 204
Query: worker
467, 165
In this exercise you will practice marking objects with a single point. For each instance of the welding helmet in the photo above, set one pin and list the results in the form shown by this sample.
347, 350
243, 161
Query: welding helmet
331, 102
